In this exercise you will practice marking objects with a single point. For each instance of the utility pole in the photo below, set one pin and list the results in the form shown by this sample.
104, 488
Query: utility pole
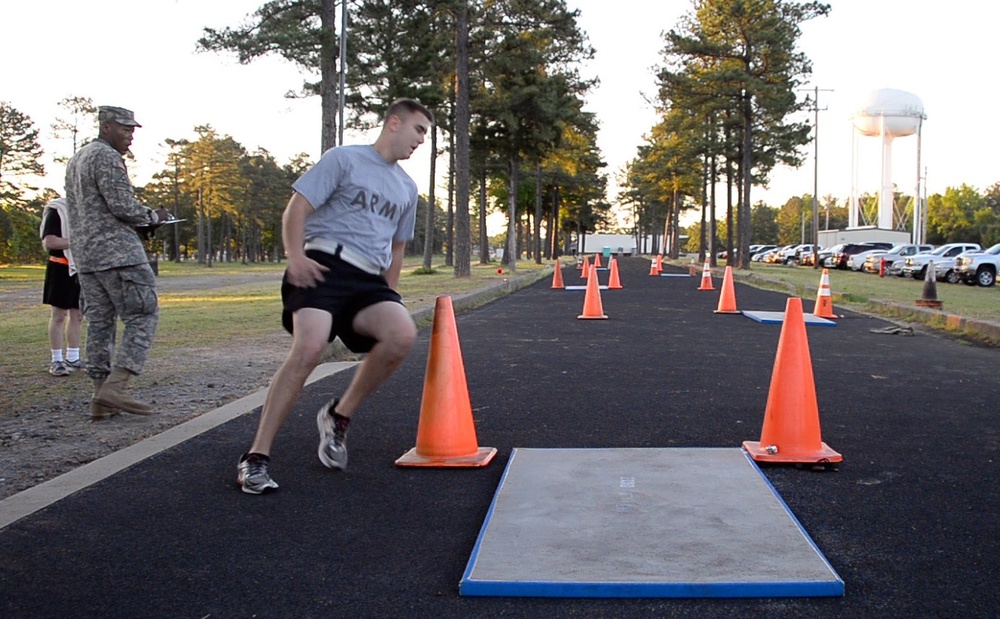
815, 196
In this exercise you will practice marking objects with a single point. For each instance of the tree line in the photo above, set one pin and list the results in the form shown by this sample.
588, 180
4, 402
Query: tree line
503, 77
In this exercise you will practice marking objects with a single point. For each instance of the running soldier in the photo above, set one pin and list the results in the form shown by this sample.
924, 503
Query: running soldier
115, 277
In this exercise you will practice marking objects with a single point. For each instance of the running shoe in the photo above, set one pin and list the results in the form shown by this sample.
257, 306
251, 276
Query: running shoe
58, 368
332, 438
73, 366
252, 475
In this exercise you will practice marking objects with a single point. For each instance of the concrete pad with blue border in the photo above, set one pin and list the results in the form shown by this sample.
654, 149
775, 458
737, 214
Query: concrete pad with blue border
777, 318
642, 523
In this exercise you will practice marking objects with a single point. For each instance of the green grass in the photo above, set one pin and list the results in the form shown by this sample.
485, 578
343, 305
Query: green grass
857, 289
228, 311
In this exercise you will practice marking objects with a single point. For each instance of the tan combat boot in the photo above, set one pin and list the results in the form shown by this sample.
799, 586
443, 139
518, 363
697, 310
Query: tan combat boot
112, 394
99, 411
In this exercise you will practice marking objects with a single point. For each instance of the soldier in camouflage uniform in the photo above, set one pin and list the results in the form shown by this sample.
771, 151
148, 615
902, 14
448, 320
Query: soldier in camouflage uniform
115, 276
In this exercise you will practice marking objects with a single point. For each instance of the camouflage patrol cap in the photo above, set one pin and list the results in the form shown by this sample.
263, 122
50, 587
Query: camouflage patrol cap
119, 115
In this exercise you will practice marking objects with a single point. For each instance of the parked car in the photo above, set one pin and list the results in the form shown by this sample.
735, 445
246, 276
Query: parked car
787, 254
839, 259
775, 255
756, 255
979, 267
824, 254
944, 261
901, 250
856, 261
801, 251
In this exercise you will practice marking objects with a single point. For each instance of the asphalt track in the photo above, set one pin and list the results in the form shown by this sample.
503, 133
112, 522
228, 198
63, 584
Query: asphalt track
909, 520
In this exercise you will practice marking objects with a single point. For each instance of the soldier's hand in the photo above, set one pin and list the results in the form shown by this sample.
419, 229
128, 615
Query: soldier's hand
304, 272
162, 215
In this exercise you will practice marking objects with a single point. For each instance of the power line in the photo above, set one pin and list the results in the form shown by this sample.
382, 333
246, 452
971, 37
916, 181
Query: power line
816, 109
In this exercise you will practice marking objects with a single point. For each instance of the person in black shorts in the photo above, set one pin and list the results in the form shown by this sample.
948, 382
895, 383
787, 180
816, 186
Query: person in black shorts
344, 231
61, 291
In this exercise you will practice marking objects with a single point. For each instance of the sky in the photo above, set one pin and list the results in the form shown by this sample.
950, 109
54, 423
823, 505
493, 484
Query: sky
142, 56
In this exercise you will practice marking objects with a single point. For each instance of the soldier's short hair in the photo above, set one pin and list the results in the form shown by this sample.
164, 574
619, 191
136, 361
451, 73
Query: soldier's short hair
410, 106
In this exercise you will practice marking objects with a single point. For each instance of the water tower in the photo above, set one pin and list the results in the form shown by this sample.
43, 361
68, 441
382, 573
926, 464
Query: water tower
888, 114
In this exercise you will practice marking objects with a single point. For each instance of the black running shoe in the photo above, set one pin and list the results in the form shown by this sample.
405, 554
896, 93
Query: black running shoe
332, 438
252, 475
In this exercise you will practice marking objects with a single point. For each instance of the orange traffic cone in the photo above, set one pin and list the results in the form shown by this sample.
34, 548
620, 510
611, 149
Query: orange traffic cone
727, 299
597, 260
613, 282
791, 430
706, 278
652, 267
593, 309
586, 267
446, 433
824, 302
928, 297
557, 280
659, 263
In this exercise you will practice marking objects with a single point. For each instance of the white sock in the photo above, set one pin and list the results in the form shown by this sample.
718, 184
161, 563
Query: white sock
56, 355
72, 354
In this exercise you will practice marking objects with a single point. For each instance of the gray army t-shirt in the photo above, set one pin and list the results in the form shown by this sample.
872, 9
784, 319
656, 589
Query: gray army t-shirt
360, 201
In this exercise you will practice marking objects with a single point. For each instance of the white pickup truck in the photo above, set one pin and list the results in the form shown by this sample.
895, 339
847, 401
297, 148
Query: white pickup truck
944, 261
979, 268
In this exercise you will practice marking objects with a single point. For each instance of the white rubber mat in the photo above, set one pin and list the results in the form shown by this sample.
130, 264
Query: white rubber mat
686, 522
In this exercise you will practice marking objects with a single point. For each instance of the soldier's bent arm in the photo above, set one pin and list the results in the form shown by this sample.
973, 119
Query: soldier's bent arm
116, 188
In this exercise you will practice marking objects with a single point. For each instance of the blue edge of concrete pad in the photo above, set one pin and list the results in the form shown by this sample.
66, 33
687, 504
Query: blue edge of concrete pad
472, 587
777, 318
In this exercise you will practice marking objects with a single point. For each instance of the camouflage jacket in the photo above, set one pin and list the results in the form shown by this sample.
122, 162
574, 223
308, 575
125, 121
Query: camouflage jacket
102, 210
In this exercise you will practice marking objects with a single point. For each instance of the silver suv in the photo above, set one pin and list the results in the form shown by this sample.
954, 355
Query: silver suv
944, 261
979, 268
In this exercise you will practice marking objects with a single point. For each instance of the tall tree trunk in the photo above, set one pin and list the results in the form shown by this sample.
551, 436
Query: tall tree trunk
431, 206
463, 235
484, 239
511, 253
538, 212
328, 84
743, 214
449, 255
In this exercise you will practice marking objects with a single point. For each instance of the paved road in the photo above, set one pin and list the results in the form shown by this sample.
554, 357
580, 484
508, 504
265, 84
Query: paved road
909, 520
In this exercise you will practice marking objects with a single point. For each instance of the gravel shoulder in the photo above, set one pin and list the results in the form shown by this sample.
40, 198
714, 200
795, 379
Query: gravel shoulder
56, 435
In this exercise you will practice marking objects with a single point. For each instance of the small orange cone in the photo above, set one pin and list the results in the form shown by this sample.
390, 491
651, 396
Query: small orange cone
727, 298
593, 309
613, 282
659, 263
928, 297
586, 267
824, 302
652, 267
597, 260
706, 278
446, 432
791, 430
557, 280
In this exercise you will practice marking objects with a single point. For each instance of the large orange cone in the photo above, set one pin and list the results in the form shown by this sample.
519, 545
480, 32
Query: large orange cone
659, 263
824, 302
727, 298
652, 267
597, 260
593, 309
586, 267
928, 297
614, 283
446, 433
791, 430
557, 280
706, 278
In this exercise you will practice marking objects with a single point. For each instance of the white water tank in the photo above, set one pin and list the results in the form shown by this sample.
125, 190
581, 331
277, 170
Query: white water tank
900, 111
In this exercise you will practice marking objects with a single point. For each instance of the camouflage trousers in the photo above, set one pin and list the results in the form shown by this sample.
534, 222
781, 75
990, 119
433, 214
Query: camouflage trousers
128, 293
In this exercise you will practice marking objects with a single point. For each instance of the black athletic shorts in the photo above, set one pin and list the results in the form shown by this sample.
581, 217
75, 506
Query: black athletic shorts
60, 290
344, 291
